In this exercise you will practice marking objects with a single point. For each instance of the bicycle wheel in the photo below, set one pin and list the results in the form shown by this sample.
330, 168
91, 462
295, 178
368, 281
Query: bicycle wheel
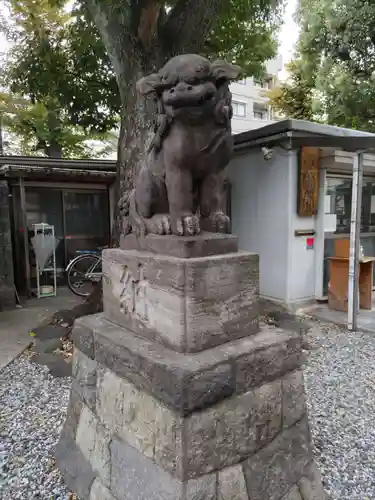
84, 273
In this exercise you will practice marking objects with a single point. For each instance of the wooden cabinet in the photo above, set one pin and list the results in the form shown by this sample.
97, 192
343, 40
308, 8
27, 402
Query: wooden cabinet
339, 278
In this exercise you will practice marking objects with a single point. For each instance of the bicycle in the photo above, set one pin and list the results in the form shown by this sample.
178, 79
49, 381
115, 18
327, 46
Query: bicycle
84, 271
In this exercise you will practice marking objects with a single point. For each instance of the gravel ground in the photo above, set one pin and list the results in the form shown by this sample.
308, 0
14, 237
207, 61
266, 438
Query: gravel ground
340, 382
32, 411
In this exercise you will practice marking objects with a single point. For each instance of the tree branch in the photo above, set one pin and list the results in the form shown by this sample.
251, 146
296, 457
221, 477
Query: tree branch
146, 14
113, 20
189, 23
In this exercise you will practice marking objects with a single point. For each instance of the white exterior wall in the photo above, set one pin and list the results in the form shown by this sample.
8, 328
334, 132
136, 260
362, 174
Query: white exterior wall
260, 215
264, 217
250, 93
302, 262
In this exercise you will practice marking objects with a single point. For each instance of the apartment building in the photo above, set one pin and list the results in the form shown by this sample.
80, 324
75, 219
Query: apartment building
250, 106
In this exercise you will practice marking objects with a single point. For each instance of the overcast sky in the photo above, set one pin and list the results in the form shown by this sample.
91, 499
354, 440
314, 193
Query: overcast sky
289, 34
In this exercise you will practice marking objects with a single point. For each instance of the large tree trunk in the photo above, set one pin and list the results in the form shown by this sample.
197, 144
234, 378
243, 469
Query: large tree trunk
1, 136
136, 131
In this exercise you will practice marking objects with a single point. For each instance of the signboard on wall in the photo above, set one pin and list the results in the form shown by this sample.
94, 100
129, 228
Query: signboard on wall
308, 181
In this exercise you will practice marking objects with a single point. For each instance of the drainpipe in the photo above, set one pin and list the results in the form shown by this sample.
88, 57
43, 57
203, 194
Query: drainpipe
355, 233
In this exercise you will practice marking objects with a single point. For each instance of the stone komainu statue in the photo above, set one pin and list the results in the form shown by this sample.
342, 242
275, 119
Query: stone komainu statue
179, 187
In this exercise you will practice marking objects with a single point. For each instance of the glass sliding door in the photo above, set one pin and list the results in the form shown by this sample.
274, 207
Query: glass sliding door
338, 194
80, 218
86, 216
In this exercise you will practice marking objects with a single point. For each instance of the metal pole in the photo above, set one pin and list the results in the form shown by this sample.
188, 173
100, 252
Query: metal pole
355, 233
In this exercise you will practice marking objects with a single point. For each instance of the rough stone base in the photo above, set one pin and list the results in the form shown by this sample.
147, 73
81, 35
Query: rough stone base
283, 467
123, 439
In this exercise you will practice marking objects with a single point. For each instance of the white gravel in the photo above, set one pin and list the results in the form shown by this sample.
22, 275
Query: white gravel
340, 383
32, 410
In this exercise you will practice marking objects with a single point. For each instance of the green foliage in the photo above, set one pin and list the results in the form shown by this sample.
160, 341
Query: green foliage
337, 48
294, 98
59, 65
61, 90
31, 124
246, 33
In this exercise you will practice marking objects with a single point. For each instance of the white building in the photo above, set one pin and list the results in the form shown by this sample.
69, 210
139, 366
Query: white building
294, 250
250, 106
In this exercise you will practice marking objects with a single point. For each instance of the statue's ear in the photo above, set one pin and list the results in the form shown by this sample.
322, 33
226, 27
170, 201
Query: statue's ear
225, 71
149, 84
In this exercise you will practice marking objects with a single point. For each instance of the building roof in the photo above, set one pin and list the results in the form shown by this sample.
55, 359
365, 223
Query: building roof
43, 168
44, 161
304, 133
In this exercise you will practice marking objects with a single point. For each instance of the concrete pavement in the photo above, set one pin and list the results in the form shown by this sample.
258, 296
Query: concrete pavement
15, 325
365, 323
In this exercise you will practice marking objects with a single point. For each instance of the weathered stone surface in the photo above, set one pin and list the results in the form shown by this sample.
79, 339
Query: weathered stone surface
232, 430
48, 332
201, 245
311, 486
55, 363
83, 338
273, 471
207, 387
293, 494
100, 492
93, 440
186, 382
135, 477
46, 346
77, 472
275, 355
186, 304
232, 484
140, 420
84, 377
294, 401
203, 488
70, 426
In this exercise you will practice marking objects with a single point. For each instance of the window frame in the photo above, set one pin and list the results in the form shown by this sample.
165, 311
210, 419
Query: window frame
241, 103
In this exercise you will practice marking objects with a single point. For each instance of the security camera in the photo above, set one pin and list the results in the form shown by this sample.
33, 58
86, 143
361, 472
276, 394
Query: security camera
267, 153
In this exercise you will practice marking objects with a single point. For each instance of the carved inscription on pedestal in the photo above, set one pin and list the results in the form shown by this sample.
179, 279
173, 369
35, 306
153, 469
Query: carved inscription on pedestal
133, 296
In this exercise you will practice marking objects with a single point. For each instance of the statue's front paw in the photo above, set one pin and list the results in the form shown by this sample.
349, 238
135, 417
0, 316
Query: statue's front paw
185, 225
217, 222
159, 224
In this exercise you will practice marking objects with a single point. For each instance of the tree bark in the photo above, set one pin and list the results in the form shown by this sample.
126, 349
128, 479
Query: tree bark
136, 133
1, 136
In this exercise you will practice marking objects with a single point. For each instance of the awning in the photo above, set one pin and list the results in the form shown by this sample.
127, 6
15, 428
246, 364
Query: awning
47, 171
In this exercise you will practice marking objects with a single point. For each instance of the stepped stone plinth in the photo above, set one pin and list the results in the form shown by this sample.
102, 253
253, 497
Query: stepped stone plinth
177, 392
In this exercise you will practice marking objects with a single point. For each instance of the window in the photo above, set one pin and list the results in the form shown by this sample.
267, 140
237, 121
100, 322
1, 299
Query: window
265, 83
260, 112
337, 200
239, 108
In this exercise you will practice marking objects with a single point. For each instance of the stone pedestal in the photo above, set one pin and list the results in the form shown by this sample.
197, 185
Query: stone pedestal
177, 393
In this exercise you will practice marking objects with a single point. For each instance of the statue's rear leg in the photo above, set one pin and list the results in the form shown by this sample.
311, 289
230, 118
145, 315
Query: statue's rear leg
210, 194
